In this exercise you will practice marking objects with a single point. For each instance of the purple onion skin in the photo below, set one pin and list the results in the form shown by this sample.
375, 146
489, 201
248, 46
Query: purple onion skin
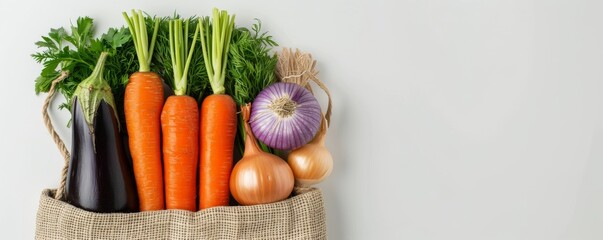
289, 132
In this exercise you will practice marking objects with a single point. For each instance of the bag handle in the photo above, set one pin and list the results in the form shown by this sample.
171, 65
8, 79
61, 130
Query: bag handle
324, 88
57, 139
298, 67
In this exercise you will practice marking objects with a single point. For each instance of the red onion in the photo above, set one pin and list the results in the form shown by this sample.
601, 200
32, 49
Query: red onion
285, 116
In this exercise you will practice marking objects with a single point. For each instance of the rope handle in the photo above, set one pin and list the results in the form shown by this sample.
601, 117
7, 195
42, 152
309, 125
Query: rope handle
298, 67
57, 139
324, 88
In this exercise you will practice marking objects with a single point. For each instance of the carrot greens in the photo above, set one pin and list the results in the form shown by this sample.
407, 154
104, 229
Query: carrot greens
250, 68
138, 28
179, 45
215, 47
197, 83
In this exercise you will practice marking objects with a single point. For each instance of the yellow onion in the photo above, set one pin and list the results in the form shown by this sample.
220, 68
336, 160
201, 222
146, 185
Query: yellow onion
312, 162
259, 177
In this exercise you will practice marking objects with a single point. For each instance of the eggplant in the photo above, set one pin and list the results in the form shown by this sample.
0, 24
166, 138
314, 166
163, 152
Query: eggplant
99, 177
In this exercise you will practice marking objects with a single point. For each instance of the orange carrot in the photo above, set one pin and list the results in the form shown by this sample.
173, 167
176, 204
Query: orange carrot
180, 125
143, 102
218, 115
218, 130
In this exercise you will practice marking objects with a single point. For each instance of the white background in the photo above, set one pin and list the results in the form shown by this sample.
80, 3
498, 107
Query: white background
457, 119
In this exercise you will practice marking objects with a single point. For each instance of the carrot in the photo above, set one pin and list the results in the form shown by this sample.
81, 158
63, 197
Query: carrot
143, 101
218, 130
218, 115
180, 125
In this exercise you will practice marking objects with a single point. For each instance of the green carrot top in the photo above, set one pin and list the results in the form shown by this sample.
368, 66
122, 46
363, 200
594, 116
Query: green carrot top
138, 30
178, 53
215, 46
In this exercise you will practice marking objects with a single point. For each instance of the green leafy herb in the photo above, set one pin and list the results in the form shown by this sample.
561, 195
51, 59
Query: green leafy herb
250, 69
77, 52
116, 38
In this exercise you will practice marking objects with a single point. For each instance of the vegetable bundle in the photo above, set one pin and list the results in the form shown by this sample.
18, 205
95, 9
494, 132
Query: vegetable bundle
164, 130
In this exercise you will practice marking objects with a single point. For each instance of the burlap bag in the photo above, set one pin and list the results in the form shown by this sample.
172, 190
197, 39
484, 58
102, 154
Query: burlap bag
299, 217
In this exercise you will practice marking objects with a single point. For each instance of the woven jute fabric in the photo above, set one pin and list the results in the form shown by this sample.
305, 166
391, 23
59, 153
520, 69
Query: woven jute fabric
299, 217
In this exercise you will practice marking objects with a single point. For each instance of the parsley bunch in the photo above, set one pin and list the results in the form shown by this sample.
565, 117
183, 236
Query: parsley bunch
77, 51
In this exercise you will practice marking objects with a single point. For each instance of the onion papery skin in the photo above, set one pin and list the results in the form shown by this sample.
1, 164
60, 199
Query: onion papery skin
261, 179
310, 164
290, 128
